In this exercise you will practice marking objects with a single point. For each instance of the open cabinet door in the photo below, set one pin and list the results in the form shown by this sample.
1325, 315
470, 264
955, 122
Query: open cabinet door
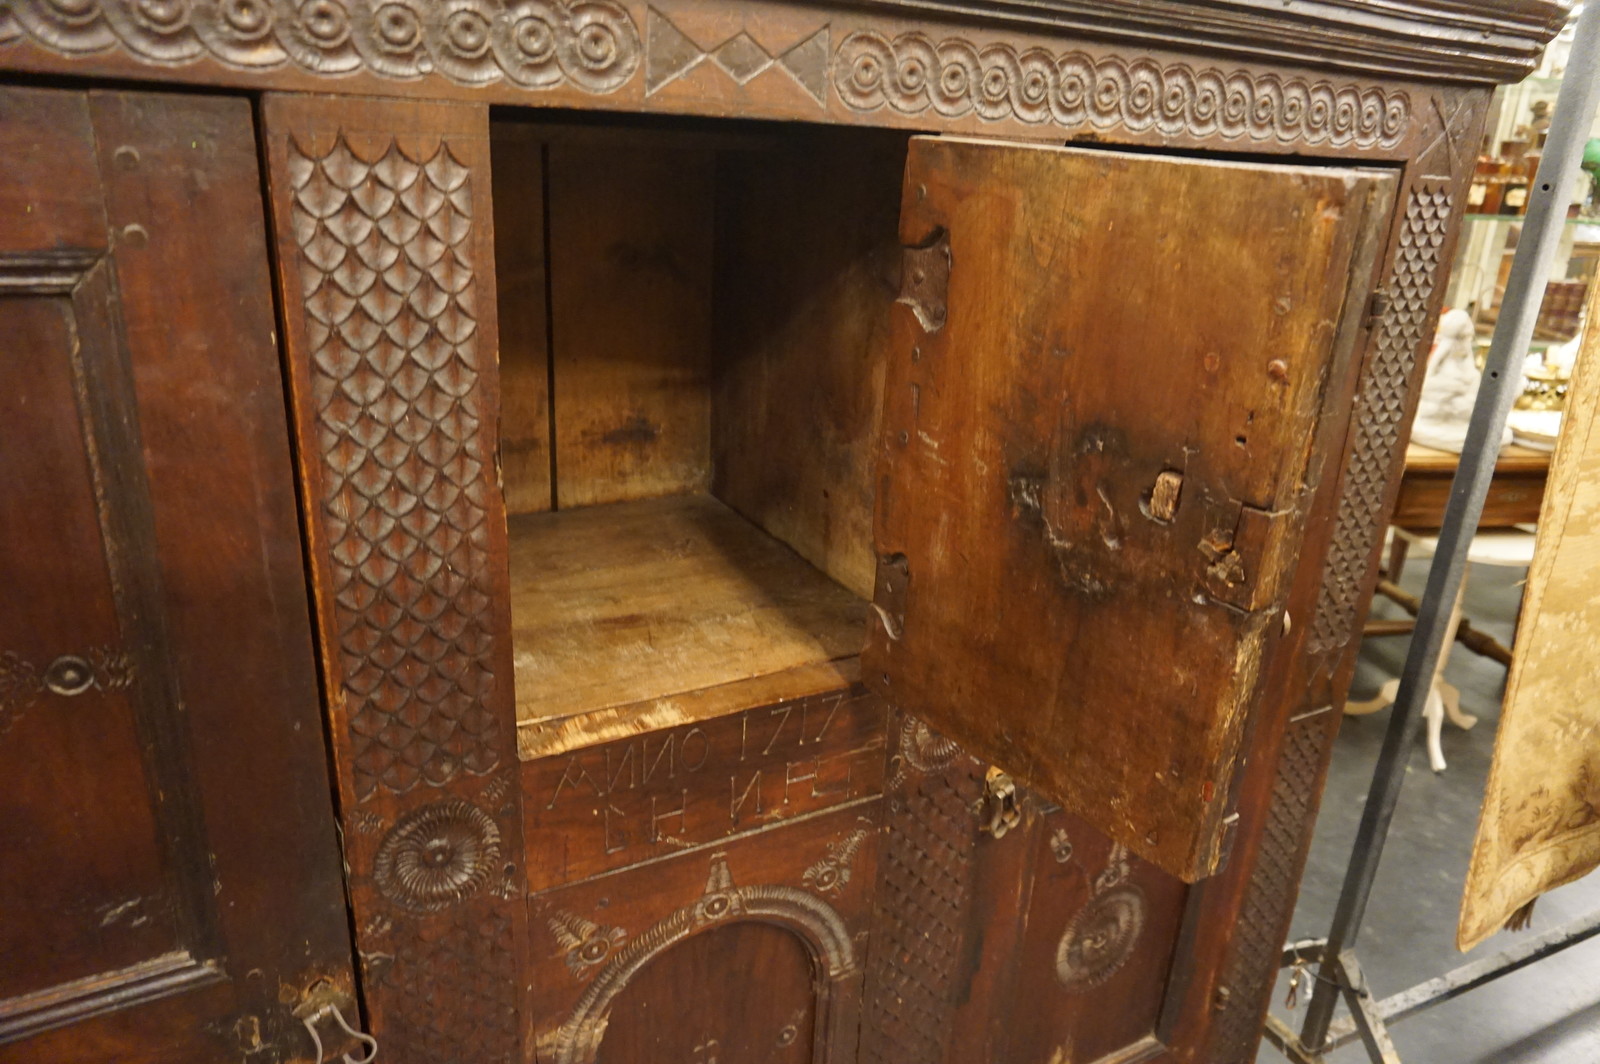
1104, 421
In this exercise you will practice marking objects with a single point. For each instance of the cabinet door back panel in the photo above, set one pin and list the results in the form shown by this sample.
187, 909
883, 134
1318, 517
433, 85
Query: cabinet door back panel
1098, 447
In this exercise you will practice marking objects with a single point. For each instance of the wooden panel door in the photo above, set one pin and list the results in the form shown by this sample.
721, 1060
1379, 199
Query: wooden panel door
1104, 421
171, 882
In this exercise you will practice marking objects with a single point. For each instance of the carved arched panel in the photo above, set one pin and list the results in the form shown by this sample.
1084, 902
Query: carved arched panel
750, 952
697, 1001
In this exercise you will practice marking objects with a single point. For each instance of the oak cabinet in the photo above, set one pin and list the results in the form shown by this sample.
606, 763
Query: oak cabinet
826, 532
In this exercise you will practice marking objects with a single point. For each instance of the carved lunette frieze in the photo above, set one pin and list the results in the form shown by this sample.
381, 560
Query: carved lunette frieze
532, 42
592, 45
953, 78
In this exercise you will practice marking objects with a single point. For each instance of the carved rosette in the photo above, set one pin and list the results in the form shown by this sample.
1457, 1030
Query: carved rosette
913, 74
22, 682
831, 874
920, 749
584, 943
1100, 938
438, 854
590, 45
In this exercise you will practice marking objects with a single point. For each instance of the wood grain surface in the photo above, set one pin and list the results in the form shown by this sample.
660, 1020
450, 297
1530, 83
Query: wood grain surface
630, 276
1030, 605
638, 798
807, 269
617, 604
1515, 493
522, 300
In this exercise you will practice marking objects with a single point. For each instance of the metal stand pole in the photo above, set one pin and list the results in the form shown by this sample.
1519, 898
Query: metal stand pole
1547, 206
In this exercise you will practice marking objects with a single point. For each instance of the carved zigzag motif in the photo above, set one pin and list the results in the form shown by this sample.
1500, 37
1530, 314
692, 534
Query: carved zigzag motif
670, 53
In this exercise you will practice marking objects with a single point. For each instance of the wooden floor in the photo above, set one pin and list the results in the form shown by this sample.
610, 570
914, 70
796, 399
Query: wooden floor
623, 603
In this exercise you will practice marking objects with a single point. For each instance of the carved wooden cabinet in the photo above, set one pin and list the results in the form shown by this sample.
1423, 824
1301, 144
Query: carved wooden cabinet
827, 532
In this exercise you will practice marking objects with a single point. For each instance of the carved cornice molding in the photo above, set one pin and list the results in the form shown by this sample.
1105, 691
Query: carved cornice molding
598, 47
1483, 41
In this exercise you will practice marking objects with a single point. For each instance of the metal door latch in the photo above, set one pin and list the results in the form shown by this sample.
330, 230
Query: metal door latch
314, 1012
1000, 810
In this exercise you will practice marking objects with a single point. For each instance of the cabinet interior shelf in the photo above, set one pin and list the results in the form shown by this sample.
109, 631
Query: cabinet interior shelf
635, 601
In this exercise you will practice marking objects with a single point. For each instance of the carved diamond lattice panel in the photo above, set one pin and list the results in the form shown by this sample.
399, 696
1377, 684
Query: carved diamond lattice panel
469, 959
1380, 408
1269, 900
924, 890
390, 316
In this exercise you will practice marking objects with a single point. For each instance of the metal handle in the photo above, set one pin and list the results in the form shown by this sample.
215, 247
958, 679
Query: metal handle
331, 1011
1000, 809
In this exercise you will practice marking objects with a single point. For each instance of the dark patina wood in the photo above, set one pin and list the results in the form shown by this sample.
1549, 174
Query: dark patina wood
386, 271
717, 298
171, 882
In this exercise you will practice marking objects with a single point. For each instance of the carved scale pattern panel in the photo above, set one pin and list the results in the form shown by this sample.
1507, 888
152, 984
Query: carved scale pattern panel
391, 301
388, 282
925, 884
1380, 408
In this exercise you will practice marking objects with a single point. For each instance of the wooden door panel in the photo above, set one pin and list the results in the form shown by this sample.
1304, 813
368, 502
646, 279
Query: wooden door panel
76, 802
1050, 943
172, 886
1100, 441
741, 992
